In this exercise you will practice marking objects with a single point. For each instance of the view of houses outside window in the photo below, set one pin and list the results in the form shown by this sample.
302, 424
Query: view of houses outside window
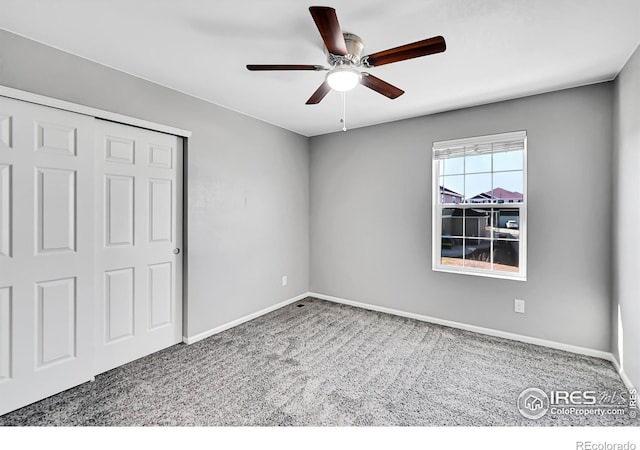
479, 210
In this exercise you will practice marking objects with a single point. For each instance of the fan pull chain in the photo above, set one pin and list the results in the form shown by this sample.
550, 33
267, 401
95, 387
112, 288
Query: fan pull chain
344, 111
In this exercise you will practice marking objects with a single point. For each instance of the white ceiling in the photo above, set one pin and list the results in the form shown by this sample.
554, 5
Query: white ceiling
496, 49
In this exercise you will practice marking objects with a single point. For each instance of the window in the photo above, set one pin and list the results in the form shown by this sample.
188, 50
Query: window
480, 205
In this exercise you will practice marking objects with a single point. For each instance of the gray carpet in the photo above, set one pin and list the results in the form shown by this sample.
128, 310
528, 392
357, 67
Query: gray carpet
330, 364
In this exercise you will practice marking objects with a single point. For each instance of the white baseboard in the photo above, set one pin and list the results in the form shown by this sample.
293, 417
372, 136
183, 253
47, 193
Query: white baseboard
448, 323
226, 326
625, 379
463, 326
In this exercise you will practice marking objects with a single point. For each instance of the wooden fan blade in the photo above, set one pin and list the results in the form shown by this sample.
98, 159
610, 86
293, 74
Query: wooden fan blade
283, 67
380, 86
327, 22
408, 51
319, 94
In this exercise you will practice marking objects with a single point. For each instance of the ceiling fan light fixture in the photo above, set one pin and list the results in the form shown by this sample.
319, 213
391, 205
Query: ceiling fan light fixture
344, 55
343, 78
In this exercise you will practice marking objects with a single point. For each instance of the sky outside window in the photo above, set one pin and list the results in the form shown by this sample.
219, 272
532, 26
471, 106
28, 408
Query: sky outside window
472, 175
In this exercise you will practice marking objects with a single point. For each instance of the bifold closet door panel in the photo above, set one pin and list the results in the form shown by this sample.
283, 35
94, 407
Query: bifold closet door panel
138, 244
90, 248
46, 251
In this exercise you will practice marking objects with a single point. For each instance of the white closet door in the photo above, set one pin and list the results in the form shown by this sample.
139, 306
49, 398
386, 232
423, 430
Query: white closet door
139, 180
46, 251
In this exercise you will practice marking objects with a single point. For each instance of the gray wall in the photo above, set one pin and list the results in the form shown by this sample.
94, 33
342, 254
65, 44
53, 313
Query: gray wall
626, 218
248, 203
371, 218
248, 206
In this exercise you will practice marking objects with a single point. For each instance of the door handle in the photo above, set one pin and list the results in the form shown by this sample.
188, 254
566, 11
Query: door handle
176, 251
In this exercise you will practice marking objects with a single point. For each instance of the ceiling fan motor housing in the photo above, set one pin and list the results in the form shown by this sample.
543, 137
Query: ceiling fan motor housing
355, 47
344, 55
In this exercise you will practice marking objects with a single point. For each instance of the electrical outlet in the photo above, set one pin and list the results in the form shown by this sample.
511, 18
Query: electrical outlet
518, 306
284, 280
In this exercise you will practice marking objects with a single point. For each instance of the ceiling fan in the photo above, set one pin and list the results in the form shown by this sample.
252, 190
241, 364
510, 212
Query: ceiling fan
344, 56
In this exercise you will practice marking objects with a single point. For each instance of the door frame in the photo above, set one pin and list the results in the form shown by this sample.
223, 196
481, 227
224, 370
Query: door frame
38, 99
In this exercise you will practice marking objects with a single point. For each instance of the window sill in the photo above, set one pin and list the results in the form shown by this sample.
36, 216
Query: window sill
480, 273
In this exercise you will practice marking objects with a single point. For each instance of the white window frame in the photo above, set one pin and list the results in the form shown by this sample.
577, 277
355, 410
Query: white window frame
460, 145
